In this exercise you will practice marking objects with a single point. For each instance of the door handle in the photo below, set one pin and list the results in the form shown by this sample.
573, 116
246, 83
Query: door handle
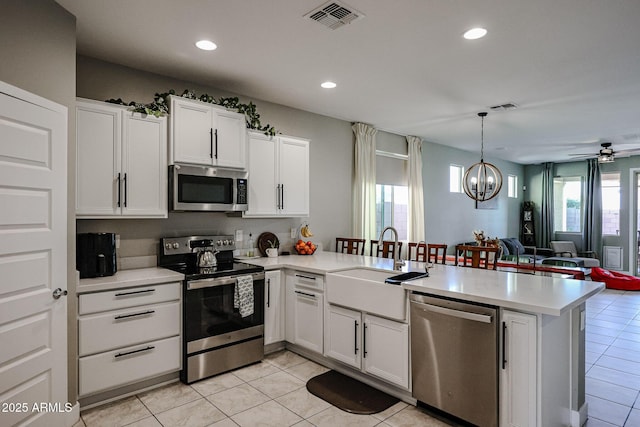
59, 293
150, 347
282, 198
268, 292
305, 294
118, 189
125, 190
364, 341
504, 345
355, 336
126, 316
278, 197
216, 143
211, 142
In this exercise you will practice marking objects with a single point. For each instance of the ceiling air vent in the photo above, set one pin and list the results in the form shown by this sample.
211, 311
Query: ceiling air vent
334, 15
504, 107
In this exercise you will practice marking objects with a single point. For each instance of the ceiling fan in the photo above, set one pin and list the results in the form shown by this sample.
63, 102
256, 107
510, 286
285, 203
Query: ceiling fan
606, 153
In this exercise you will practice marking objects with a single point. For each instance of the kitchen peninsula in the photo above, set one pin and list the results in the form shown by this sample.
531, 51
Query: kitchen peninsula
541, 366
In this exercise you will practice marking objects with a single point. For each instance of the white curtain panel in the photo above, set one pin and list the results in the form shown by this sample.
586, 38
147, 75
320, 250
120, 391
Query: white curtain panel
416, 195
364, 183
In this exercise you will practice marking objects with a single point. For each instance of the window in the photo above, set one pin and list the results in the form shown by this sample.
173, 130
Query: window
392, 209
512, 186
567, 204
456, 173
611, 203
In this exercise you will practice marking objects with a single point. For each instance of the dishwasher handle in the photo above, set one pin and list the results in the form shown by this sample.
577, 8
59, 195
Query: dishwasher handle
484, 318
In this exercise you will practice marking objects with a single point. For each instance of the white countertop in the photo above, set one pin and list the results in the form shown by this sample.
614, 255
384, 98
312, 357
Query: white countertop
128, 279
516, 291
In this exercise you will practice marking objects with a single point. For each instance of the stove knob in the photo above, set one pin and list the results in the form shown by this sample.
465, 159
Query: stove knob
231, 242
219, 243
167, 246
226, 242
176, 245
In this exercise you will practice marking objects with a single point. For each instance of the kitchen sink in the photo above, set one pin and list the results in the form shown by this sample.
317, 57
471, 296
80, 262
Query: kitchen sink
366, 290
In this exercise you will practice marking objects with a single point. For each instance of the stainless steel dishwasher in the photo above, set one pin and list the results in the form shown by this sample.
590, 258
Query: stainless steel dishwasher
454, 357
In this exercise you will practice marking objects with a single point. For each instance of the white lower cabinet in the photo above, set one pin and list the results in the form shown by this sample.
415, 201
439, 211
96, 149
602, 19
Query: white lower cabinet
518, 373
273, 307
127, 335
373, 344
304, 310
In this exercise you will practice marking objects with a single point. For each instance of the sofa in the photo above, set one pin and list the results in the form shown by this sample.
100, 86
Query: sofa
513, 250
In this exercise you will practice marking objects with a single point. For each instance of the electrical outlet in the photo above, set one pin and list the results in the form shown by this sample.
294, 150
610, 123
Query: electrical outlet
239, 236
294, 232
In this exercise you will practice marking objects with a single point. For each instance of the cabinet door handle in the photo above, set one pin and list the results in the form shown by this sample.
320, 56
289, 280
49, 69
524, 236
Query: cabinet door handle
268, 292
355, 336
125, 190
150, 347
504, 345
305, 277
211, 142
122, 294
305, 294
282, 198
216, 144
126, 316
364, 341
118, 189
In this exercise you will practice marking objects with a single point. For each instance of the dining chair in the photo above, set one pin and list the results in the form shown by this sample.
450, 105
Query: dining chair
485, 257
420, 252
348, 245
386, 250
433, 252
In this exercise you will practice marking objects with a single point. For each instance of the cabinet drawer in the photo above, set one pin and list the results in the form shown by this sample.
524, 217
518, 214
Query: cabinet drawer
308, 280
127, 365
130, 297
106, 331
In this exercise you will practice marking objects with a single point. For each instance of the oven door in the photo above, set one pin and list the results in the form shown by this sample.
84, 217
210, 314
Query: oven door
211, 318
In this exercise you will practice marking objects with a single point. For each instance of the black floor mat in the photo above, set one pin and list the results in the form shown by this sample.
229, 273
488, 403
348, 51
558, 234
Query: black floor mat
348, 394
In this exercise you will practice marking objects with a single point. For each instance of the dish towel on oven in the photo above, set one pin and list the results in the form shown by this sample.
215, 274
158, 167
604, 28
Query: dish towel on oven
243, 295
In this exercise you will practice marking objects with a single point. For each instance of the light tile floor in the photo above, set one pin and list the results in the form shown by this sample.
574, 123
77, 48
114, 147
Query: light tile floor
270, 393
613, 359
273, 392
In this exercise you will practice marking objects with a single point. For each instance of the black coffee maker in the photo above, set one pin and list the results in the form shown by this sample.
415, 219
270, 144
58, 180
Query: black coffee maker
96, 254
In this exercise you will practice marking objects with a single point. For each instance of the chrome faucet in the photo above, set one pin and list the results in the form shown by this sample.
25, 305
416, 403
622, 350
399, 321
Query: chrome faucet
397, 262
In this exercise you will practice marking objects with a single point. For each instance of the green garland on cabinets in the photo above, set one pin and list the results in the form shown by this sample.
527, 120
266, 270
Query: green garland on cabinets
160, 107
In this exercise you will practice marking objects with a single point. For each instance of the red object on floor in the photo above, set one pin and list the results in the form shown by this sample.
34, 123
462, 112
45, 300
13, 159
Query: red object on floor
615, 280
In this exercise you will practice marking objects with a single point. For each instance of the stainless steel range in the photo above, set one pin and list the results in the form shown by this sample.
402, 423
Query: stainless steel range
223, 305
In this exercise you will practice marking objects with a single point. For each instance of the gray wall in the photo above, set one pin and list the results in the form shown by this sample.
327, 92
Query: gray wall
451, 217
38, 51
331, 159
533, 179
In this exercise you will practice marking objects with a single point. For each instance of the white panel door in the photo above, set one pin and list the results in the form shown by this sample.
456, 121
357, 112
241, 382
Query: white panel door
33, 252
308, 319
342, 335
144, 165
229, 139
191, 132
98, 136
262, 193
294, 176
273, 307
518, 374
386, 349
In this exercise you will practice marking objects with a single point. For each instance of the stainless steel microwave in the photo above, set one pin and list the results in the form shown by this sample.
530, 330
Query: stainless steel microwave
204, 188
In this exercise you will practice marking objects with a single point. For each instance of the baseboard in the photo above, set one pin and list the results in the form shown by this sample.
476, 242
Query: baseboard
579, 417
73, 416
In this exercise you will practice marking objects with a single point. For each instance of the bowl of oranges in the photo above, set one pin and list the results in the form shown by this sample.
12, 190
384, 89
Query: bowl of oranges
305, 248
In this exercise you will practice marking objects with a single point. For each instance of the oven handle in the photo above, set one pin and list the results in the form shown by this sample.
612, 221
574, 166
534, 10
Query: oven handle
220, 281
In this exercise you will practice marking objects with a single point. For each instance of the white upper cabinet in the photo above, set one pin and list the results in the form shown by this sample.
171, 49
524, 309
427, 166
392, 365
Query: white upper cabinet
121, 163
278, 176
205, 134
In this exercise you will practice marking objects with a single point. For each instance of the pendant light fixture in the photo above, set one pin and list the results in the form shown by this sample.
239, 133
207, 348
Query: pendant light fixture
482, 181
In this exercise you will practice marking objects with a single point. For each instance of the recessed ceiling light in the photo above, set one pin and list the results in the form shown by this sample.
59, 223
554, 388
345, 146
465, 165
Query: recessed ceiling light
475, 33
206, 45
328, 85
